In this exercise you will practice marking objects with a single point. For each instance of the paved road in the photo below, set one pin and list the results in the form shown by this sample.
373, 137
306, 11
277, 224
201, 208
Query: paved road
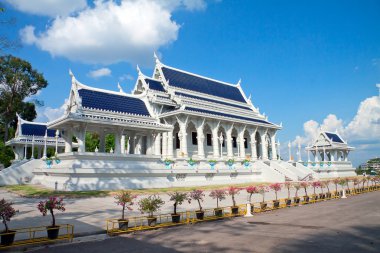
344, 225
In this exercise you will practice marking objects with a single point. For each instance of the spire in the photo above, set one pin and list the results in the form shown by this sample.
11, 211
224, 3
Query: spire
238, 83
119, 87
138, 70
156, 57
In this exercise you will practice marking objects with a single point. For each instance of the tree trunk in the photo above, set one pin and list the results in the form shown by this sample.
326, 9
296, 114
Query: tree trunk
199, 203
52, 215
122, 215
175, 208
5, 224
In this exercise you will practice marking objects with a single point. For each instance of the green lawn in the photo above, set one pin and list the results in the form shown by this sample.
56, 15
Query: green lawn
36, 191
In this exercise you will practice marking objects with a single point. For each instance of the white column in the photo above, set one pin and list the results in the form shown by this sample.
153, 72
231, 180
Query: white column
274, 149
299, 152
157, 143
132, 143
56, 141
118, 135
164, 144
264, 147
316, 159
122, 144
215, 142
200, 140
45, 140
253, 145
242, 141
290, 151
170, 144
25, 151
68, 137
81, 135
183, 138
230, 151
221, 139
32, 157
279, 149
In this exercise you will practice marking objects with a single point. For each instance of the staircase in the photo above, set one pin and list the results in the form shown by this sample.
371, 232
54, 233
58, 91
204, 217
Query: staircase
19, 173
280, 168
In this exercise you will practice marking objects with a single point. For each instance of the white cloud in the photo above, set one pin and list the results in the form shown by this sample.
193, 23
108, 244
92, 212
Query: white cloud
362, 132
99, 73
50, 8
108, 33
45, 114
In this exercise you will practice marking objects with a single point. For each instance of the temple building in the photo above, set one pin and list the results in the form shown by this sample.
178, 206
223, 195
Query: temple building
176, 128
330, 153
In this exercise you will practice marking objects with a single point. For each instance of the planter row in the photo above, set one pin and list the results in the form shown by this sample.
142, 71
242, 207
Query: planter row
36, 235
132, 224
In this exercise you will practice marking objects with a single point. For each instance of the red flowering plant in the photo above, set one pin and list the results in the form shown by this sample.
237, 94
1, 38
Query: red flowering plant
125, 200
219, 195
262, 190
197, 195
276, 187
288, 185
304, 185
336, 182
232, 191
251, 190
315, 184
6, 213
53, 203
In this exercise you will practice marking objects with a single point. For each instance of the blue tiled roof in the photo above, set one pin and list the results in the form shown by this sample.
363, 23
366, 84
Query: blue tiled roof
334, 137
112, 102
212, 100
36, 130
199, 84
155, 85
227, 115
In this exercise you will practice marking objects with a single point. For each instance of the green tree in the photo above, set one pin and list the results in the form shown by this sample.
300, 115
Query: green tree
19, 80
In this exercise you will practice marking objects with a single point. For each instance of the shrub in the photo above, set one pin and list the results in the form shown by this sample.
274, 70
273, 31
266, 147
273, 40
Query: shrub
232, 191
125, 199
177, 198
315, 184
150, 204
53, 203
219, 195
197, 195
251, 190
6, 213
276, 187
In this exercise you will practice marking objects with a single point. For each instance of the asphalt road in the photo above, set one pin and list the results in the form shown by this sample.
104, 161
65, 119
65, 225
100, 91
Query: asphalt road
344, 225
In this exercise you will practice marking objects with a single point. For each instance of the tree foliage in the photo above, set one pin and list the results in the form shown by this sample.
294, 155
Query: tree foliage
18, 80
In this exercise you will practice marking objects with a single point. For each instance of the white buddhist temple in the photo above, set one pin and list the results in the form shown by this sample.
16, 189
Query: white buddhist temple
175, 129
330, 154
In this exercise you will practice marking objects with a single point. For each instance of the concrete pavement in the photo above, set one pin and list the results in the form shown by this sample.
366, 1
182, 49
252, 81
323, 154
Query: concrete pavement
349, 225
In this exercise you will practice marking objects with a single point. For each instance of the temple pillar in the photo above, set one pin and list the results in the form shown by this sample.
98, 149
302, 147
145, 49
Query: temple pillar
264, 146
122, 144
68, 138
170, 144
164, 144
183, 137
200, 139
274, 149
157, 143
81, 136
132, 143
215, 141
242, 141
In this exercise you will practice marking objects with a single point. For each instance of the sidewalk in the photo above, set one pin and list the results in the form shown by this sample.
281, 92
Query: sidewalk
88, 215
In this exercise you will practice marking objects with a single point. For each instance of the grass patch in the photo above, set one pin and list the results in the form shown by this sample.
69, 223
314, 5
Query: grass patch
37, 191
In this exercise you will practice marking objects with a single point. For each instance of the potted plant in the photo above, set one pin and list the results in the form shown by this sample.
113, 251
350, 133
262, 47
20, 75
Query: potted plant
342, 182
251, 190
246, 163
149, 205
315, 184
219, 195
262, 190
233, 191
363, 181
230, 163
191, 162
212, 163
53, 203
49, 162
326, 183
168, 163
336, 182
125, 200
304, 185
356, 183
57, 159
276, 187
6, 213
347, 179
296, 186
198, 195
178, 198
288, 185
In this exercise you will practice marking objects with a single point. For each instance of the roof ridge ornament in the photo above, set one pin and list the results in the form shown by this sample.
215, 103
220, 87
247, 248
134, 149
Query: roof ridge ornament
238, 83
119, 87
138, 70
156, 57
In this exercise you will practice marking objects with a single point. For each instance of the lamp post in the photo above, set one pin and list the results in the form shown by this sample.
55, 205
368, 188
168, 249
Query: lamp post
299, 152
32, 157
45, 140
56, 141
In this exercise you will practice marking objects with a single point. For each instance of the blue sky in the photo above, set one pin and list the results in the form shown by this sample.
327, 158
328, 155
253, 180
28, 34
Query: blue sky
300, 60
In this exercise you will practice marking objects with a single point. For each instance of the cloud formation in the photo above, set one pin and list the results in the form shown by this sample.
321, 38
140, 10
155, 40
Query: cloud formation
112, 32
51, 8
99, 73
45, 114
